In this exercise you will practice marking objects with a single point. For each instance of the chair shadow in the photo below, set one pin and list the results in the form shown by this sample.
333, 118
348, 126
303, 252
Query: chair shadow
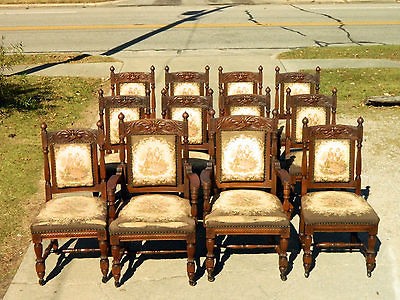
192, 16
339, 237
294, 248
65, 258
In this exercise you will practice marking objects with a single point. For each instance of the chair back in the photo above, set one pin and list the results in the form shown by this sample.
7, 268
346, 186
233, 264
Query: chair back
245, 151
133, 107
134, 83
332, 156
298, 82
247, 104
157, 152
73, 161
187, 82
239, 82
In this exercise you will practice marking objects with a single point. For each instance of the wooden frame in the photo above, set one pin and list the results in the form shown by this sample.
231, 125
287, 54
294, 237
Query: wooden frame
343, 215
200, 79
186, 185
145, 78
212, 180
282, 80
47, 226
227, 78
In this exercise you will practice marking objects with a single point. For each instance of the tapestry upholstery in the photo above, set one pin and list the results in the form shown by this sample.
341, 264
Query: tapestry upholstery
236, 88
153, 160
248, 207
332, 160
195, 123
73, 165
245, 110
132, 88
186, 88
315, 116
242, 156
157, 212
79, 211
130, 114
326, 207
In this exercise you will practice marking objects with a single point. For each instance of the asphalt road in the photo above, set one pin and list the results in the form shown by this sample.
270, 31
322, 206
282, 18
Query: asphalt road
117, 27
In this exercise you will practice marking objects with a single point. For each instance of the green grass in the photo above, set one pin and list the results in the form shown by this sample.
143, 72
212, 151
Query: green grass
60, 102
34, 59
356, 85
373, 52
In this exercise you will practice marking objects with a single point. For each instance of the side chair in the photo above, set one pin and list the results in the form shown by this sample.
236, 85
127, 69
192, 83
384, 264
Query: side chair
74, 169
331, 198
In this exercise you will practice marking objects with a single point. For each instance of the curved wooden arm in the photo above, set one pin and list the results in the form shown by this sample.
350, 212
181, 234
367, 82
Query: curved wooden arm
206, 177
284, 177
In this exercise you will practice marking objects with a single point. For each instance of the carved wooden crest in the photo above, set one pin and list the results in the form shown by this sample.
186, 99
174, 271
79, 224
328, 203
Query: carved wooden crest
73, 136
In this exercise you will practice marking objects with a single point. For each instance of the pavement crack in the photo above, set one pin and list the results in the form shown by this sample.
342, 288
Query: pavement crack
341, 26
251, 18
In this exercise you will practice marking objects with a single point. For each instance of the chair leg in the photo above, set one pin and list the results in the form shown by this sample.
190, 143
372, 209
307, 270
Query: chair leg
371, 254
55, 245
283, 261
40, 265
301, 230
104, 264
191, 250
116, 266
307, 255
210, 242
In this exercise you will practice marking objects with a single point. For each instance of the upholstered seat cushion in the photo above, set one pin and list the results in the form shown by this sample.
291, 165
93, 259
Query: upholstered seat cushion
247, 208
153, 213
329, 207
68, 213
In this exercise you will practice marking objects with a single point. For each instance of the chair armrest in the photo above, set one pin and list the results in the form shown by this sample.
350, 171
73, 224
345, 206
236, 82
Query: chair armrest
194, 186
284, 177
112, 183
206, 177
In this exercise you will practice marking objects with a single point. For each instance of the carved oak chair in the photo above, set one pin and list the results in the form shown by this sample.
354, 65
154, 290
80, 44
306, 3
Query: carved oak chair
243, 173
187, 82
238, 82
331, 191
247, 104
162, 199
298, 82
73, 170
133, 107
198, 108
135, 83
319, 109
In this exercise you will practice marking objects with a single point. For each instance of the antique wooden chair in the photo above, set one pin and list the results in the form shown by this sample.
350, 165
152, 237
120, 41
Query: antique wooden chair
73, 170
198, 108
243, 175
298, 82
319, 109
247, 104
187, 82
239, 82
162, 199
133, 107
331, 192
135, 83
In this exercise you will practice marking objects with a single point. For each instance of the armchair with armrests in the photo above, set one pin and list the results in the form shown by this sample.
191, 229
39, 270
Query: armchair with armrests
158, 188
243, 174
